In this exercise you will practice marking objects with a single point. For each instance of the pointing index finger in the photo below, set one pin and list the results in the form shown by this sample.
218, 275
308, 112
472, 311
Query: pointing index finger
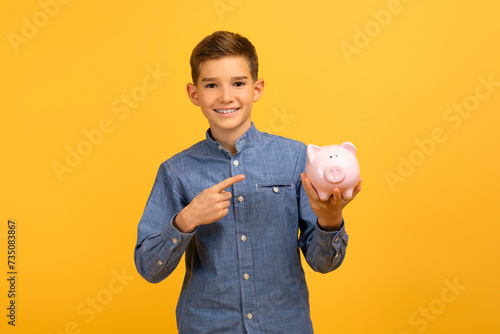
219, 187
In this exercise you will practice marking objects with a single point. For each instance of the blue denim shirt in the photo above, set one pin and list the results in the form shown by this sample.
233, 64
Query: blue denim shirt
243, 272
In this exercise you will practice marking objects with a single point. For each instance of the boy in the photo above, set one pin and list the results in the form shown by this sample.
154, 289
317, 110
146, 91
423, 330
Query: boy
234, 203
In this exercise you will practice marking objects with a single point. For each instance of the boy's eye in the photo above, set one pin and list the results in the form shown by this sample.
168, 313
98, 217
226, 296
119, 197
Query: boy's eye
239, 84
212, 85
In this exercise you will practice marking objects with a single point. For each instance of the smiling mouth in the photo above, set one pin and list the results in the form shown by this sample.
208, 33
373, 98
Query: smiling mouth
226, 111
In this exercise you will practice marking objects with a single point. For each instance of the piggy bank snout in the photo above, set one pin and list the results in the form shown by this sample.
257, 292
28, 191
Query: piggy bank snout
335, 174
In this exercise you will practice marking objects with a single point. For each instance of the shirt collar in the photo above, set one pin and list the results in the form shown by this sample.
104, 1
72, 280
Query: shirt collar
241, 143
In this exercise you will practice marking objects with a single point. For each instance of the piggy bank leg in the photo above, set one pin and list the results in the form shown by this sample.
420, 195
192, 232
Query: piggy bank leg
347, 194
323, 195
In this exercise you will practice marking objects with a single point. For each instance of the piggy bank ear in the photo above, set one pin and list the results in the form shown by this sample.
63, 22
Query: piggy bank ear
349, 146
312, 150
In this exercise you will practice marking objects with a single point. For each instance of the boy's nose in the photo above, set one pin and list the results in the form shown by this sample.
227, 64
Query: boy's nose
226, 95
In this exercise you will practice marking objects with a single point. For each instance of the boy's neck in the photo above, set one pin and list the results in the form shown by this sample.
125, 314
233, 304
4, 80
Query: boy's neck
228, 138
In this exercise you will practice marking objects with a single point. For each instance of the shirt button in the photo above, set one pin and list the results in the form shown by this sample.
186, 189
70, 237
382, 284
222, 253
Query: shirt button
336, 239
174, 240
236, 163
249, 316
160, 263
246, 276
220, 147
276, 190
240, 199
243, 238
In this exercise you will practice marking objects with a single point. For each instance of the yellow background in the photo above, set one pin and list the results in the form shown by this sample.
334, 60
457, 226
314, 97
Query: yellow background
436, 225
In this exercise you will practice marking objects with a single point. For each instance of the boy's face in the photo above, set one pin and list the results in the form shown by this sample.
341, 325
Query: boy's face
225, 92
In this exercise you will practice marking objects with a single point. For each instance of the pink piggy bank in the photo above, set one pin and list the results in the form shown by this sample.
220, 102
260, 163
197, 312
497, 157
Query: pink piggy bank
330, 167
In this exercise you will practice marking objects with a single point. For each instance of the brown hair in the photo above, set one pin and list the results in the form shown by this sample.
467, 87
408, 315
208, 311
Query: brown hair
220, 44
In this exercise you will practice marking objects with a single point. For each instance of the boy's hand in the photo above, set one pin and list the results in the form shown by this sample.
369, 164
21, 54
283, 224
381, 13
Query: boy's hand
329, 212
209, 206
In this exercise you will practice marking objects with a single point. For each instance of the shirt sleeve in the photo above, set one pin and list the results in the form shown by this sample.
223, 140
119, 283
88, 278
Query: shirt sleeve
160, 245
323, 250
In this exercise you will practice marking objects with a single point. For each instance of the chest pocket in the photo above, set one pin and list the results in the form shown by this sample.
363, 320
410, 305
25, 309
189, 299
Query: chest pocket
275, 198
277, 206
275, 188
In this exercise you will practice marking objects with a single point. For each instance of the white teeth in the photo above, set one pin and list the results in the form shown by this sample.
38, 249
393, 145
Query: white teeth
226, 111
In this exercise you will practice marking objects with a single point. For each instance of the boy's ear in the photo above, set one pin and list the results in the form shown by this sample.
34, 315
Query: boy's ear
193, 94
258, 89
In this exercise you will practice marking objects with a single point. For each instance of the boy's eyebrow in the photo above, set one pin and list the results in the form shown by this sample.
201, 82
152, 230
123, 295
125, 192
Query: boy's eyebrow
234, 78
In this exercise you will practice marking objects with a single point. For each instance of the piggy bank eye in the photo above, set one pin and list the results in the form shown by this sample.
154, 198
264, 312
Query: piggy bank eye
336, 156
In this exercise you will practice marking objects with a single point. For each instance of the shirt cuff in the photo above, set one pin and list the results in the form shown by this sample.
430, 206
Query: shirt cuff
177, 239
330, 237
